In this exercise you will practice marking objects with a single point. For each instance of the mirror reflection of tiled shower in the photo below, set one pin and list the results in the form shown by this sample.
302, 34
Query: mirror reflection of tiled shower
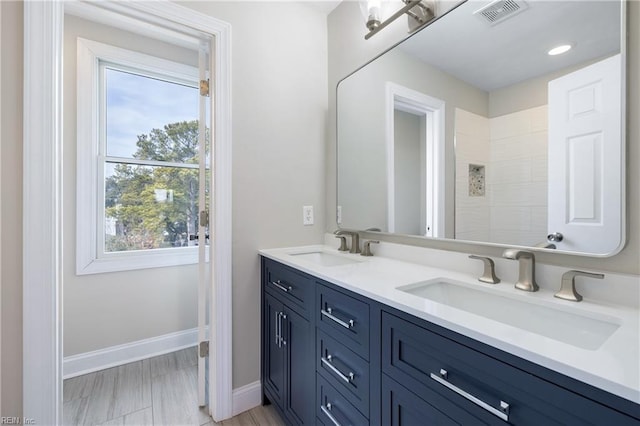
476, 180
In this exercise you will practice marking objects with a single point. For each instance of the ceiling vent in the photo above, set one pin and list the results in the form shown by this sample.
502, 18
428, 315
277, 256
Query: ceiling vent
500, 10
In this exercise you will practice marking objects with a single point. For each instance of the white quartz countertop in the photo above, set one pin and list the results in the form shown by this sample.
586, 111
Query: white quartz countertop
614, 366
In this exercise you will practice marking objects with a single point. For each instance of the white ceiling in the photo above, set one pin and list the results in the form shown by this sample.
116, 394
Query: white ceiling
325, 6
514, 50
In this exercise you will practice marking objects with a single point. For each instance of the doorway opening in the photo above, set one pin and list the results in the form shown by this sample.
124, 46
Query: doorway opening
43, 188
415, 138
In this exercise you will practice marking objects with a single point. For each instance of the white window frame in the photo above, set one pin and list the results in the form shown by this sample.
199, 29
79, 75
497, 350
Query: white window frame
91, 158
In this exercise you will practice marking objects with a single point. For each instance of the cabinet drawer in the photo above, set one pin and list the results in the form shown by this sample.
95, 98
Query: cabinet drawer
344, 369
333, 409
401, 407
344, 317
425, 361
289, 285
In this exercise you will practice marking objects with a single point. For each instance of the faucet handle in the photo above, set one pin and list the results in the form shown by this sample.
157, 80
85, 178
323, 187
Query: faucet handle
489, 273
568, 286
343, 243
366, 249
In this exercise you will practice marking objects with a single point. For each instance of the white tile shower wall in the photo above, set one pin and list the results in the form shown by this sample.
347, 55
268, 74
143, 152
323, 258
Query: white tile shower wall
472, 147
516, 177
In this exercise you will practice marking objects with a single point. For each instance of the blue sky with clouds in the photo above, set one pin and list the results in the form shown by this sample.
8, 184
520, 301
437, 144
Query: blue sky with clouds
137, 104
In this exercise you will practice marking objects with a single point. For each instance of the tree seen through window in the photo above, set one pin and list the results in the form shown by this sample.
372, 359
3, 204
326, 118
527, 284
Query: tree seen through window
150, 207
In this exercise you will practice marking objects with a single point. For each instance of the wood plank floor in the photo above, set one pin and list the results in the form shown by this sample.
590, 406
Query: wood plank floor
154, 391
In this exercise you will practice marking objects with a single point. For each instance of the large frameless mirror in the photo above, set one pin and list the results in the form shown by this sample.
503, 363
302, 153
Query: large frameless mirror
500, 122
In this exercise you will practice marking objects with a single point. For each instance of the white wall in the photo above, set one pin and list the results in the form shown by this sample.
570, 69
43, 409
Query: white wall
279, 98
11, 215
408, 196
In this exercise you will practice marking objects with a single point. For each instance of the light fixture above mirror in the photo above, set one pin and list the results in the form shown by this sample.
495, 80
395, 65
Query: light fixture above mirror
377, 16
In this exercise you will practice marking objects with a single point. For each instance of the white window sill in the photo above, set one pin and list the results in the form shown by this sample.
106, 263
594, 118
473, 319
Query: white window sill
130, 261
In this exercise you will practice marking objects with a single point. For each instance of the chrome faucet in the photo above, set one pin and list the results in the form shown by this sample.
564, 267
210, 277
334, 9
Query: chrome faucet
355, 239
568, 287
527, 273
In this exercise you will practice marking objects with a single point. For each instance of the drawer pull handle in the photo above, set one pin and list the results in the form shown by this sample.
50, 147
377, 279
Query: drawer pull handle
283, 316
327, 412
346, 377
502, 413
278, 329
281, 287
328, 313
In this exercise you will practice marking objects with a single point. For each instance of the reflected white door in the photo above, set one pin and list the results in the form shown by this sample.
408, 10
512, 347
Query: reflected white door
586, 159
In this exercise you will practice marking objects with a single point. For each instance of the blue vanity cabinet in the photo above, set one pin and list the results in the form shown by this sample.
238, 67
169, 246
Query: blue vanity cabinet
347, 357
288, 341
334, 357
496, 388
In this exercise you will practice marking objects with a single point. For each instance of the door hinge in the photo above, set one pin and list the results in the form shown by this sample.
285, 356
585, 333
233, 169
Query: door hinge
204, 218
204, 349
204, 87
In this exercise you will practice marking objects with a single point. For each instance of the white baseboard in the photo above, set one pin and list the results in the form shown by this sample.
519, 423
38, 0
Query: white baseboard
247, 397
88, 362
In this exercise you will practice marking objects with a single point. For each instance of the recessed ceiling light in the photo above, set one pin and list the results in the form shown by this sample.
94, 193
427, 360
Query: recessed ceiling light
558, 50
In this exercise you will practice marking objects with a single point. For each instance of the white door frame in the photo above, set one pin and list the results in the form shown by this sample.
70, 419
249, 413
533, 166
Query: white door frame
42, 202
1, 213
432, 110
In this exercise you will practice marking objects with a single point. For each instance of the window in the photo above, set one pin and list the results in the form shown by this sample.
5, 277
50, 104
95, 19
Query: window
137, 181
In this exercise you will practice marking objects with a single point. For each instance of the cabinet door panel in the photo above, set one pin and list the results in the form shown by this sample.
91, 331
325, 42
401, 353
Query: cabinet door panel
413, 354
293, 287
333, 407
299, 341
400, 407
343, 369
344, 317
273, 363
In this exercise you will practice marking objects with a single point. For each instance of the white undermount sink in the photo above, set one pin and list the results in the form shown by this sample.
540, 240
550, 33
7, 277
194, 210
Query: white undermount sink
323, 258
576, 329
